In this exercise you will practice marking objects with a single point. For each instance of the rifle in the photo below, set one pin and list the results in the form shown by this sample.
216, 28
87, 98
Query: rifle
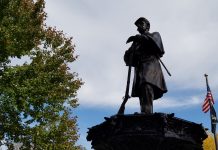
126, 97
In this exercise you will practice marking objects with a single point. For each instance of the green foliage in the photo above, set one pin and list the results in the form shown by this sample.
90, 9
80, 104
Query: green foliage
21, 25
36, 98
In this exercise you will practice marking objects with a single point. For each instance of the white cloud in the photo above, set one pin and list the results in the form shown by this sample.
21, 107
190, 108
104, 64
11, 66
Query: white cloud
100, 29
92, 97
167, 103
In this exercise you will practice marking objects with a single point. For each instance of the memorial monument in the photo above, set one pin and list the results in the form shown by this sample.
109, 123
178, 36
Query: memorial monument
146, 130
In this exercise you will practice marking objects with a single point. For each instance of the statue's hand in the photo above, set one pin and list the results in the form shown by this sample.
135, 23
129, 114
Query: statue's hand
135, 38
130, 39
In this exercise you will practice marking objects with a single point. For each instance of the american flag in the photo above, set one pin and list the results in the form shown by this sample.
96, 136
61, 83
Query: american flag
208, 105
208, 100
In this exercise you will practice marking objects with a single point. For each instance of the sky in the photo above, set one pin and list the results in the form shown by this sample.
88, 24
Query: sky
100, 29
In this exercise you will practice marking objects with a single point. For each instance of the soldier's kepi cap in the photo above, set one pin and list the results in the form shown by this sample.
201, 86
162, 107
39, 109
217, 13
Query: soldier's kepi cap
142, 19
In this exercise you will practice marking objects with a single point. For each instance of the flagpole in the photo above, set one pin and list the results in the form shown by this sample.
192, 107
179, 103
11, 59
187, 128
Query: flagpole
213, 124
214, 134
213, 118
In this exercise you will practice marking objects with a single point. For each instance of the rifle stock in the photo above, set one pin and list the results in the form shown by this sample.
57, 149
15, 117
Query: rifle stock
126, 97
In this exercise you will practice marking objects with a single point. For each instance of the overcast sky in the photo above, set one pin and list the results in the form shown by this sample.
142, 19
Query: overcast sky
100, 29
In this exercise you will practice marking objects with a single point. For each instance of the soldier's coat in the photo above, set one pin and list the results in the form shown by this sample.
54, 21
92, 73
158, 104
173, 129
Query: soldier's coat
146, 56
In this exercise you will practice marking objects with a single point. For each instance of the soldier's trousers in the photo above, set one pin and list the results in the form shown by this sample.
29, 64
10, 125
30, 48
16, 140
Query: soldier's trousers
146, 98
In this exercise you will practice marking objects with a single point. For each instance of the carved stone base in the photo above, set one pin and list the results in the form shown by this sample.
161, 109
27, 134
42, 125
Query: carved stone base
156, 131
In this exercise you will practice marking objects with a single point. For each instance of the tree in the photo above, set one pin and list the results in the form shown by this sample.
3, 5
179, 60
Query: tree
37, 98
21, 23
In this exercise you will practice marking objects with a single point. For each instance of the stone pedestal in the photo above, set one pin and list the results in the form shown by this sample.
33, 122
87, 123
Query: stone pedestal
156, 131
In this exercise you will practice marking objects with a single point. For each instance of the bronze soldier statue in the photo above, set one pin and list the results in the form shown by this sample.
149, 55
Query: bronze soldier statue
144, 55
